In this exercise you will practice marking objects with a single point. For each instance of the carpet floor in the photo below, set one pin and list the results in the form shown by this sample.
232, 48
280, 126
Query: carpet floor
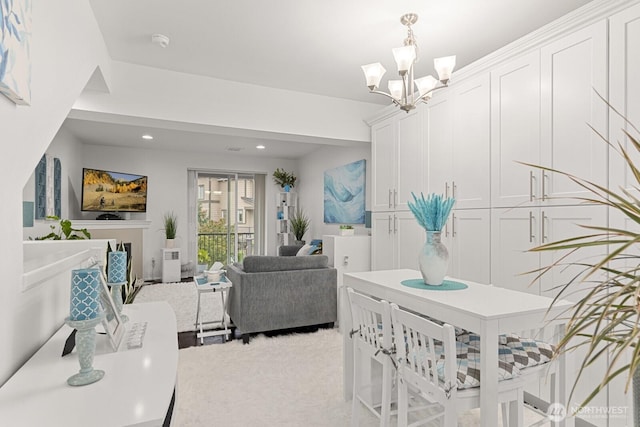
183, 298
285, 381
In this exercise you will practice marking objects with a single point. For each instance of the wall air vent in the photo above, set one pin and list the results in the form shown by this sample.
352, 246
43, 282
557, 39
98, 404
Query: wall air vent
234, 148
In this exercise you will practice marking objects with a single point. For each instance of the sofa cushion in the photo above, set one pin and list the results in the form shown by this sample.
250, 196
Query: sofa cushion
265, 263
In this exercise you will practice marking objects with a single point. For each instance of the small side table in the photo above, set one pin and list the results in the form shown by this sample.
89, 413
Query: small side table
221, 287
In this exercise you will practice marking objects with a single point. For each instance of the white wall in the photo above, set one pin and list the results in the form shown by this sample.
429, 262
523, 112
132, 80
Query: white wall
66, 47
140, 91
68, 149
167, 187
311, 184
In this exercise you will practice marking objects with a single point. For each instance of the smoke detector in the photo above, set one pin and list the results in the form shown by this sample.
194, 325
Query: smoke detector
160, 40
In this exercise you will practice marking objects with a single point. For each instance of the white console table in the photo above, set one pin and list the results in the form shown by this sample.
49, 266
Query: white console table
136, 389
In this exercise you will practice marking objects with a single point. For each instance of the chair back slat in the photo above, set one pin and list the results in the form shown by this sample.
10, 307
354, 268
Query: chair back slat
371, 321
426, 353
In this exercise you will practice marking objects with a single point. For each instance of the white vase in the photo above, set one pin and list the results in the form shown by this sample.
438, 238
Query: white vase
433, 259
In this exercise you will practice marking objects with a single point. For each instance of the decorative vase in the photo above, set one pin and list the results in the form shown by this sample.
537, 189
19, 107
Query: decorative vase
170, 243
287, 188
433, 259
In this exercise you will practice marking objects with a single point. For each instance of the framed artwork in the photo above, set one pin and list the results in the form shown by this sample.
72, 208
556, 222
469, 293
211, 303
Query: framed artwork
112, 323
15, 55
344, 192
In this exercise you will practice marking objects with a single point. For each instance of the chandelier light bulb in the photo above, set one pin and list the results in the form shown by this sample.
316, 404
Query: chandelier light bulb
444, 67
395, 87
373, 74
405, 56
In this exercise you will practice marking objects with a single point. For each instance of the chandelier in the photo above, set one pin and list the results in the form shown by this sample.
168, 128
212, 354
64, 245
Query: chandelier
402, 92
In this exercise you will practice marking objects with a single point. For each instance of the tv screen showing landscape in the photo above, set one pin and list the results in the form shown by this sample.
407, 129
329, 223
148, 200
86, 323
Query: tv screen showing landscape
106, 191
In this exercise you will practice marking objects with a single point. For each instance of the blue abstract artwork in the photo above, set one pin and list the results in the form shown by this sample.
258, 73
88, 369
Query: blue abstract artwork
15, 60
344, 190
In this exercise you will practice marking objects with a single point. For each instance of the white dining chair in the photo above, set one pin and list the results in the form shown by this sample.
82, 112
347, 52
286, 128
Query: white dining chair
372, 343
428, 363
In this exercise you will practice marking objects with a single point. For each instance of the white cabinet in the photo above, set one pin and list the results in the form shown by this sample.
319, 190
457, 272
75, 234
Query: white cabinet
396, 240
573, 71
285, 208
347, 254
458, 136
468, 240
171, 265
515, 131
397, 160
624, 93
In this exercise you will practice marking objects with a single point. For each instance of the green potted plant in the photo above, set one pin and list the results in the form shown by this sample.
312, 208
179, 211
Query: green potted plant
299, 225
65, 231
284, 179
346, 230
604, 321
170, 228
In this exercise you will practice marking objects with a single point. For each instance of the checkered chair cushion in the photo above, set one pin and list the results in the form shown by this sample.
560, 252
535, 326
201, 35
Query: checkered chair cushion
528, 352
524, 352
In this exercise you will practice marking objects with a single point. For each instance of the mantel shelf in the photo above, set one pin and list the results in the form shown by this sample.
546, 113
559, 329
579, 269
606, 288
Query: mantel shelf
110, 224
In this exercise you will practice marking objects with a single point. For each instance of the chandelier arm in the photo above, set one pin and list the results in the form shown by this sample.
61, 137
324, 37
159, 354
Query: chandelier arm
379, 92
421, 98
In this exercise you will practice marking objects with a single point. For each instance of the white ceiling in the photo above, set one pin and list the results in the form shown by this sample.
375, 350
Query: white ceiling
314, 46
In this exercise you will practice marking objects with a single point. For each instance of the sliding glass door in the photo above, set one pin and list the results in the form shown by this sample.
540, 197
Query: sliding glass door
228, 217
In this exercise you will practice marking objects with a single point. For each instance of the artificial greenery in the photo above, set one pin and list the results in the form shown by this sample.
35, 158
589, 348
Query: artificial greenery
282, 178
346, 227
170, 225
299, 224
65, 231
605, 321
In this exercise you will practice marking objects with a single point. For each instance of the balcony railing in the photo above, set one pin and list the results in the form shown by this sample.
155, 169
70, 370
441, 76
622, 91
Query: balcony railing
215, 244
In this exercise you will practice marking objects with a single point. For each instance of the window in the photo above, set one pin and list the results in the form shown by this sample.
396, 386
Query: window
241, 219
201, 192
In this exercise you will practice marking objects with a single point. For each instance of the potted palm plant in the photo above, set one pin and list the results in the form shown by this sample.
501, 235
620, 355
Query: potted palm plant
606, 320
170, 229
286, 180
299, 225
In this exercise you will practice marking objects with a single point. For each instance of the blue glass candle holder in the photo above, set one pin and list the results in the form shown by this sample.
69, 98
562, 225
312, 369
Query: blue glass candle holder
85, 294
117, 270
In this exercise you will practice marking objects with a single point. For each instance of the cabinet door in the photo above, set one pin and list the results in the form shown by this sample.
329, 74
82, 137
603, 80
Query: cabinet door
382, 241
471, 143
409, 158
513, 233
383, 139
515, 130
470, 253
410, 238
438, 129
573, 69
624, 45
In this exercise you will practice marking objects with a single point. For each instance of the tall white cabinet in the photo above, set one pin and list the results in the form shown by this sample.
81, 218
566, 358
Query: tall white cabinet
535, 102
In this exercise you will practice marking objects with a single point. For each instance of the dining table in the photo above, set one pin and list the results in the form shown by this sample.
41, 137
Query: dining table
482, 308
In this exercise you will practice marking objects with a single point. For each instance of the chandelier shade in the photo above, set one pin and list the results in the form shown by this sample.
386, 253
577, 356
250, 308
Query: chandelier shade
403, 92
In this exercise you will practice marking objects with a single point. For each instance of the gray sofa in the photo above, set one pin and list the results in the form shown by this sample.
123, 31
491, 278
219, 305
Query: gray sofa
282, 292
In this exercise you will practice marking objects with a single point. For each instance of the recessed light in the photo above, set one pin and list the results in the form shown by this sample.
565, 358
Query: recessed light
260, 147
147, 137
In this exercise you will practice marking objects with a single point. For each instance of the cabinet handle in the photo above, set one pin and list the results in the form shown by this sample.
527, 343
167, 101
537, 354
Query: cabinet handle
446, 229
453, 223
395, 224
532, 179
531, 235
395, 198
389, 224
389, 197
544, 233
453, 189
446, 190
544, 189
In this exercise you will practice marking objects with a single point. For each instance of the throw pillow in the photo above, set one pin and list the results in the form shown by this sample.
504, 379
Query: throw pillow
306, 250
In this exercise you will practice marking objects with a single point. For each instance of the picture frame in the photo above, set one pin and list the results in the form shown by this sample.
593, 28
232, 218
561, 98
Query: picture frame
112, 322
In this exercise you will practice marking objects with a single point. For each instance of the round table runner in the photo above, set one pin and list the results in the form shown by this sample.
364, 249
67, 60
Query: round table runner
447, 285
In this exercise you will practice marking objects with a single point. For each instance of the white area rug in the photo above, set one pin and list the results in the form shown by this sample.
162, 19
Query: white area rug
285, 381
183, 298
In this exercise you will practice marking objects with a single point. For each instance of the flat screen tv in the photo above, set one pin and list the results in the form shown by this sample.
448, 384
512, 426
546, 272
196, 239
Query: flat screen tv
107, 191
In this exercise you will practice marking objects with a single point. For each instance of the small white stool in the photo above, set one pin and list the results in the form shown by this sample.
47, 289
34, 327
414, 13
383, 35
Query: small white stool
204, 286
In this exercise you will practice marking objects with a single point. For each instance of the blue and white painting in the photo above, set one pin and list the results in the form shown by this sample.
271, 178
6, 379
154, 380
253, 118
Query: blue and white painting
344, 194
15, 56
